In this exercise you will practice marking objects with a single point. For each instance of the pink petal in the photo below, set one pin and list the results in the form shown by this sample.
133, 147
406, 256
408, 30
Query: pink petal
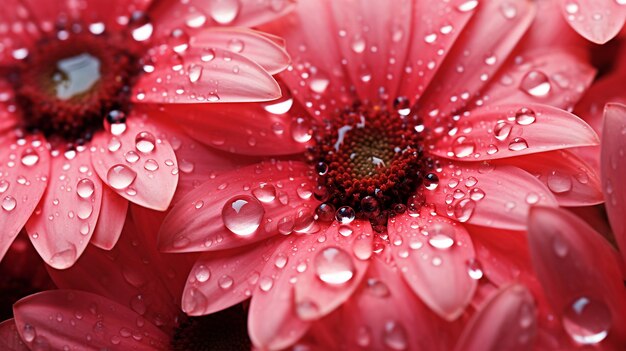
65, 318
605, 90
249, 129
111, 220
489, 195
249, 43
374, 34
147, 178
25, 167
19, 33
507, 322
385, 314
132, 273
9, 114
223, 279
338, 254
514, 130
277, 198
504, 24
572, 181
440, 21
554, 77
196, 15
433, 253
580, 273
200, 75
613, 170
10, 339
596, 20
550, 29
67, 215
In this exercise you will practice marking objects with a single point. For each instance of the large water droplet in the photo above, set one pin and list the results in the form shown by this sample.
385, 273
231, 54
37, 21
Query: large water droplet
224, 11
30, 157
85, 188
441, 235
525, 116
145, 142
242, 215
120, 176
587, 320
536, 83
9, 203
559, 182
334, 266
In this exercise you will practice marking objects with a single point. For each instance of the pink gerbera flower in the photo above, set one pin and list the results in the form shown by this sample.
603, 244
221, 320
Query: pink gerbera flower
79, 94
406, 141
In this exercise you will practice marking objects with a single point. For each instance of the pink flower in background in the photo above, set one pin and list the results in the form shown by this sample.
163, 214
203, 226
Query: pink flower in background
79, 90
402, 164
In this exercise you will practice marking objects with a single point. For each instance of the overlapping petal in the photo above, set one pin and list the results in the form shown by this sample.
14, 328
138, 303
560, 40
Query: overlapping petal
596, 20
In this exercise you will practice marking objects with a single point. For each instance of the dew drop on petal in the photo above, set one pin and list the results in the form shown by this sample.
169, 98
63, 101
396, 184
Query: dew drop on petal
587, 321
394, 336
224, 11
265, 192
225, 282
242, 215
525, 116
345, 214
120, 176
440, 235
334, 266
518, 144
536, 83
145, 142
202, 273
85, 188
30, 157
559, 182
29, 333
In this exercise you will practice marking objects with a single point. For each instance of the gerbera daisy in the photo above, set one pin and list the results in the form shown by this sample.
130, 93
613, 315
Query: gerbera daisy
403, 133
79, 93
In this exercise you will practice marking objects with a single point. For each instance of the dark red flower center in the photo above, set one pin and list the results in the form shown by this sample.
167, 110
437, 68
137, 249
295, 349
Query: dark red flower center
221, 331
68, 84
370, 160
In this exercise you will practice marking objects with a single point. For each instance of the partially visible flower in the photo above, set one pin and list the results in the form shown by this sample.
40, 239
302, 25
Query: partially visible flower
403, 160
597, 20
81, 132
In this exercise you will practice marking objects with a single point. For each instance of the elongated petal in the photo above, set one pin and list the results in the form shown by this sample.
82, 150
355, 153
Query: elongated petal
433, 254
200, 75
472, 57
514, 130
555, 77
580, 273
274, 198
137, 164
572, 181
75, 314
10, 339
596, 20
249, 43
24, 169
67, 214
507, 322
613, 168
488, 194
219, 280
111, 220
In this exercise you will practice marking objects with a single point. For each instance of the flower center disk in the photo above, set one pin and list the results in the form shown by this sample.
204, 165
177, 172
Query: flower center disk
370, 160
69, 84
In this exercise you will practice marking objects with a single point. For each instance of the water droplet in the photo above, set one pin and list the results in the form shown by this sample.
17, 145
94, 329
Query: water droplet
518, 144
363, 337
85, 188
362, 247
120, 176
394, 336
225, 282
151, 165
235, 45
468, 5
307, 309
431, 181
281, 261
29, 333
377, 288
242, 215
345, 214
224, 11
9, 203
138, 304
143, 32
202, 273
207, 55
265, 192
145, 142
334, 266
474, 269
194, 73
464, 209
178, 40
536, 83
30, 157
441, 235
301, 130
587, 320
502, 130
559, 182
525, 116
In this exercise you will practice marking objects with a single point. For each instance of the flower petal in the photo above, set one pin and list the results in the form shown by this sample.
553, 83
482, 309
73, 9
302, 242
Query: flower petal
137, 164
487, 194
580, 273
111, 220
10, 339
555, 77
200, 75
67, 215
19, 32
24, 170
9, 114
504, 25
222, 279
572, 181
343, 255
83, 320
514, 130
507, 322
137, 279
613, 169
278, 198
246, 42
261, 129
433, 253
596, 20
